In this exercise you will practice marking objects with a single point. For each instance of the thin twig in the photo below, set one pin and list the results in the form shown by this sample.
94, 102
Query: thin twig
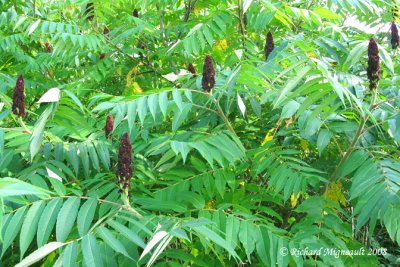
386, 101
223, 116
189, 7
26, 130
372, 126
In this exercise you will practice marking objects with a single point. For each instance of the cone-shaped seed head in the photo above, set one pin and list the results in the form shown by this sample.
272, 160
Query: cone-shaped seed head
124, 169
18, 106
374, 68
106, 30
269, 45
109, 125
136, 13
48, 48
191, 68
208, 80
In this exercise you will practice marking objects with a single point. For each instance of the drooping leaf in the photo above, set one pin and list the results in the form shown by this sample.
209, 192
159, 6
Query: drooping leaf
66, 218
126, 232
323, 140
29, 227
69, 255
12, 229
92, 251
14, 187
40, 254
47, 221
86, 215
112, 241
37, 135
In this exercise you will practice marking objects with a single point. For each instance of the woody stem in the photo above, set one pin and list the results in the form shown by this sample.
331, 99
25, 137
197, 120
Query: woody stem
125, 200
223, 116
351, 148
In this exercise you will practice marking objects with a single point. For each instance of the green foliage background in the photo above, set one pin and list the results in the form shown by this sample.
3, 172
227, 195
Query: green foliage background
291, 152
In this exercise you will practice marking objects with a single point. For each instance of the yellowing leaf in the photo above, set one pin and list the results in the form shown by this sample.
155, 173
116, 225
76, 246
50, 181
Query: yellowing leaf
294, 200
288, 122
129, 78
221, 45
269, 136
335, 193
285, 64
133, 89
304, 145
196, 11
136, 88
311, 54
210, 204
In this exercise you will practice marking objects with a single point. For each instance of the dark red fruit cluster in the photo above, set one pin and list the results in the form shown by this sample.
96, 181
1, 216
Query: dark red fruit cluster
109, 125
48, 48
191, 68
395, 35
102, 56
374, 65
106, 30
124, 169
89, 12
135, 13
208, 80
18, 106
269, 45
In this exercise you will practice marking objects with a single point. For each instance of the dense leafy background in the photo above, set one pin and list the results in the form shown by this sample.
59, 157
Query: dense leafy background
220, 180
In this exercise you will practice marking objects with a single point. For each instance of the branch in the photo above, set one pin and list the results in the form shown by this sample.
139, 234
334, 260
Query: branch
189, 7
223, 116
125, 206
108, 41
240, 13
163, 35
386, 101
351, 148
